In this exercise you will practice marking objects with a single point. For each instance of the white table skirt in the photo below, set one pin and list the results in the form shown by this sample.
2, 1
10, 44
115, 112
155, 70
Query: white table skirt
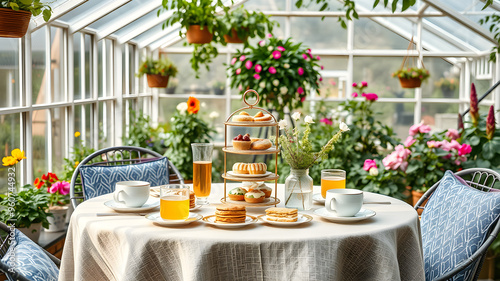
384, 247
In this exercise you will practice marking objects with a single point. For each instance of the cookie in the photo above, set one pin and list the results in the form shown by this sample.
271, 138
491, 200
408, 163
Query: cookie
230, 208
230, 220
281, 214
243, 117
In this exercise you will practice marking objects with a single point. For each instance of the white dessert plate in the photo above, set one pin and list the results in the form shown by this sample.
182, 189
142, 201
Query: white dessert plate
231, 173
248, 220
318, 198
196, 207
119, 207
301, 218
156, 219
363, 214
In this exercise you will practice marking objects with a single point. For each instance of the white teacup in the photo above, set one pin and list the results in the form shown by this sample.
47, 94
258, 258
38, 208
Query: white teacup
131, 193
345, 202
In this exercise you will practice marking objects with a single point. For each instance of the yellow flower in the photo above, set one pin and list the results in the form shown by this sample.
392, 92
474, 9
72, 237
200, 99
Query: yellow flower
9, 161
18, 154
76, 164
77, 134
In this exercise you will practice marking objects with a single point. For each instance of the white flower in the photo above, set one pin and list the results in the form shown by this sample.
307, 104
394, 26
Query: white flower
262, 84
283, 124
309, 119
286, 65
203, 104
213, 114
182, 107
262, 43
172, 119
283, 90
373, 172
270, 48
296, 116
343, 127
276, 82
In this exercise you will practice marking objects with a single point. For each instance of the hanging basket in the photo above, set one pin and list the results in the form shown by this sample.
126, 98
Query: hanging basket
234, 39
14, 24
157, 81
410, 83
196, 35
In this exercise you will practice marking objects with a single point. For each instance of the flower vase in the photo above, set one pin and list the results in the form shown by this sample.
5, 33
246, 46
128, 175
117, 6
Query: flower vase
32, 232
58, 221
299, 189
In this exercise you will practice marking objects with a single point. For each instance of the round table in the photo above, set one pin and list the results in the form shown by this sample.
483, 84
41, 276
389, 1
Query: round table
384, 247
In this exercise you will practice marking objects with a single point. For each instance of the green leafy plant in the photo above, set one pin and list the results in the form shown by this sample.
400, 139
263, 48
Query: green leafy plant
30, 206
450, 84
142, 134
281, 71
377, 179
186, 127
163, 67
36, 7
77, 154
412, 72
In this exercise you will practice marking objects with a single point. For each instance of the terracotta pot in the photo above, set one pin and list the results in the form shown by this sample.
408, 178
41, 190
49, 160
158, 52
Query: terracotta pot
58, 221
14, 24
416, 195
196, 35
33, 232
234, 39
157, 80
410, 83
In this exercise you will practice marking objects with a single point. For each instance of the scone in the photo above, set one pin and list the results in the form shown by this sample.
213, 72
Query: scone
266, 189
264, 118
237, 194
281, 214
240, 168
191, 199
259, 114
255, 196
242, 117
242, 142
256, 168
260, 144
230, 214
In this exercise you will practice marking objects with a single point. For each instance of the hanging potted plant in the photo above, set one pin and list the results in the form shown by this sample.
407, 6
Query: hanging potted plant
281, 71
15, 16
411, 77
58, 200
239, 24
158, 71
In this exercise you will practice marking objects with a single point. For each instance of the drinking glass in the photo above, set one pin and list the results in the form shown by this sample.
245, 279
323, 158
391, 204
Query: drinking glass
332, 179
174, 202
202, 171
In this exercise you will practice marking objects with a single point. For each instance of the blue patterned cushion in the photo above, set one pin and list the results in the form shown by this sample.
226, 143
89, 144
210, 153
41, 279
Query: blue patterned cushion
30, 260
455, 223
99, 180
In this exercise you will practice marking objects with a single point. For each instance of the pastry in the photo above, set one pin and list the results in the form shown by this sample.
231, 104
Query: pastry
191, 199
237, 194
261, 144
259, 114
256, 168
240, 168
249, 185
281, 214
264, 118
242, 142
255, 196
230, 214
255, 139
266, 189
242, 117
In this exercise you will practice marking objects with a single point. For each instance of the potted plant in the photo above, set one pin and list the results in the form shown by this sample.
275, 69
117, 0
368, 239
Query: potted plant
281, 71
15, 16
411, 77
58, 200
27, 210
447, 86
239, 24
218, 87
158, 71
172, 85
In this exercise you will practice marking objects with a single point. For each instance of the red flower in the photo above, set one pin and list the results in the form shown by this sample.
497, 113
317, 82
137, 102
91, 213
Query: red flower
490, 123
193, 105
38, 183
474, 111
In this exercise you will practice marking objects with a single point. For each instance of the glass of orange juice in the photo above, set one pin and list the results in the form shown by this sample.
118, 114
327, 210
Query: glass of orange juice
174, 202
332, 179
202, 171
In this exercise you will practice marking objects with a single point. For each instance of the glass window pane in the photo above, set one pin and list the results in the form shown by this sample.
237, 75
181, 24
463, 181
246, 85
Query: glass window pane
440, 116
444, 79
82, 122
38, 66
105, 124
370, 35
316, 35
39, 142
398, 115
10, 127
77, 66
58, 138
266, 5
88, 66
9, 73
57, 64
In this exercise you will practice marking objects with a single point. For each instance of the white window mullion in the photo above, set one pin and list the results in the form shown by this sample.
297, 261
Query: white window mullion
70, 121
418, 91
119, 106
94, 126
26, 121
82, 87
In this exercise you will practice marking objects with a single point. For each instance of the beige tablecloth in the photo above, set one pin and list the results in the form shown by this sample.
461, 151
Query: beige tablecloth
385, 247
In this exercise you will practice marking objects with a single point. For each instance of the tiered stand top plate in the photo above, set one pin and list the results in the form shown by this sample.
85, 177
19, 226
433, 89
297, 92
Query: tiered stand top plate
252, 124
271, 177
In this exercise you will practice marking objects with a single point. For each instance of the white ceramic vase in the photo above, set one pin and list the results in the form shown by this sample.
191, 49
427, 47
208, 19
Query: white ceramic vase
58, 221
32, 232
299, 190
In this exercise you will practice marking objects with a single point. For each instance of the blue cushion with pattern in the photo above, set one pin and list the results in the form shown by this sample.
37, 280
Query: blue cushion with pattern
99, 180
455, 223
28, 259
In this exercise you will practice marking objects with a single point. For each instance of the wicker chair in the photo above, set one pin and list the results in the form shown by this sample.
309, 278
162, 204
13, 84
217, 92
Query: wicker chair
484, 180
11, 273
113, 156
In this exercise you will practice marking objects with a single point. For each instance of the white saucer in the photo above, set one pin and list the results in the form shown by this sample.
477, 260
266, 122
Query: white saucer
318, 198
361, 215
233, 174
196, 207
211, 220
119, 207
156, 219
301, 218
